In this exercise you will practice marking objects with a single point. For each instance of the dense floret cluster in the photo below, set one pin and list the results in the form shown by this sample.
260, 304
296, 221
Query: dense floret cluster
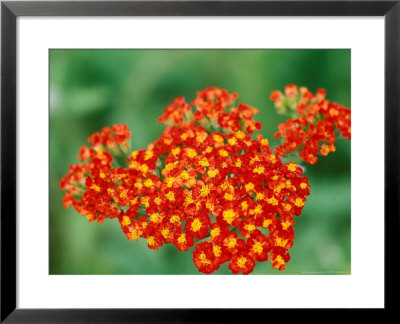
315, 124
204, 185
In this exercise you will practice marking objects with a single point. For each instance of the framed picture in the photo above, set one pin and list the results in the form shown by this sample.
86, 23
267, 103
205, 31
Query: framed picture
218, 188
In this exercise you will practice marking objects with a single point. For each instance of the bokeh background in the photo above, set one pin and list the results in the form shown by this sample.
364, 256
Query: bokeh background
90, 89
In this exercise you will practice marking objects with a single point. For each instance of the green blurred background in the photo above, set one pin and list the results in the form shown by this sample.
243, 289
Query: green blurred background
90, 89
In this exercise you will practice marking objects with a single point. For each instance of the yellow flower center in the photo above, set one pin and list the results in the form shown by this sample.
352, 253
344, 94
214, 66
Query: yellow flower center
203, 258
182, 238
286, 225
240, 134
144, 168
218, 139
176, 150
228, 196
188, 200
174, 218
204, 191
125, 221
257, 248
185, 175
212, 173
279, 260
229, 216
148, 183
196, 225
292, 167
155, 217
241, 262
223, 153
95, 187
280, 242
215, 232
134, 234
287, 207
299, 202
170, 181
249, 187
249, 227
151, 240
165, 232
169, 166
148, 155
157, 200
217, 250
231, 243
170, 196
204, 162
259, 170
191, 153
232, 141
272, 201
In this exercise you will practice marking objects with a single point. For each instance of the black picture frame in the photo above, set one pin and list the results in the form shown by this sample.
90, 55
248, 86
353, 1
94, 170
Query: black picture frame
10, 10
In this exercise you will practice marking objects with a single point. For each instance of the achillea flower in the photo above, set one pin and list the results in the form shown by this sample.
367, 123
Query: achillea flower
315, 125
205, 182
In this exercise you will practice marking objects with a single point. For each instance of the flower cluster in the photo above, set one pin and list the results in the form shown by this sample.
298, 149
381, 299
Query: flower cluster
205, 185
315, 125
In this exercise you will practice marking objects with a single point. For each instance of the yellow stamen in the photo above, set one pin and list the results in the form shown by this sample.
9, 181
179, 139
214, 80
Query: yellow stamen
191, 153
272, 201
215, 232
196, 225
182, 238
125, 221
204, 162
259, 170
165, 232
228, 196
241, 262
292, 167
148, 183
204, 191
231, 243
123, 194
232, 141
170, 196
148, 155
212, 173
229, 216
218, 139
280, 242
299, 202
217, 250
249, 186
155, 217
257, 248
185, 175
223, 153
